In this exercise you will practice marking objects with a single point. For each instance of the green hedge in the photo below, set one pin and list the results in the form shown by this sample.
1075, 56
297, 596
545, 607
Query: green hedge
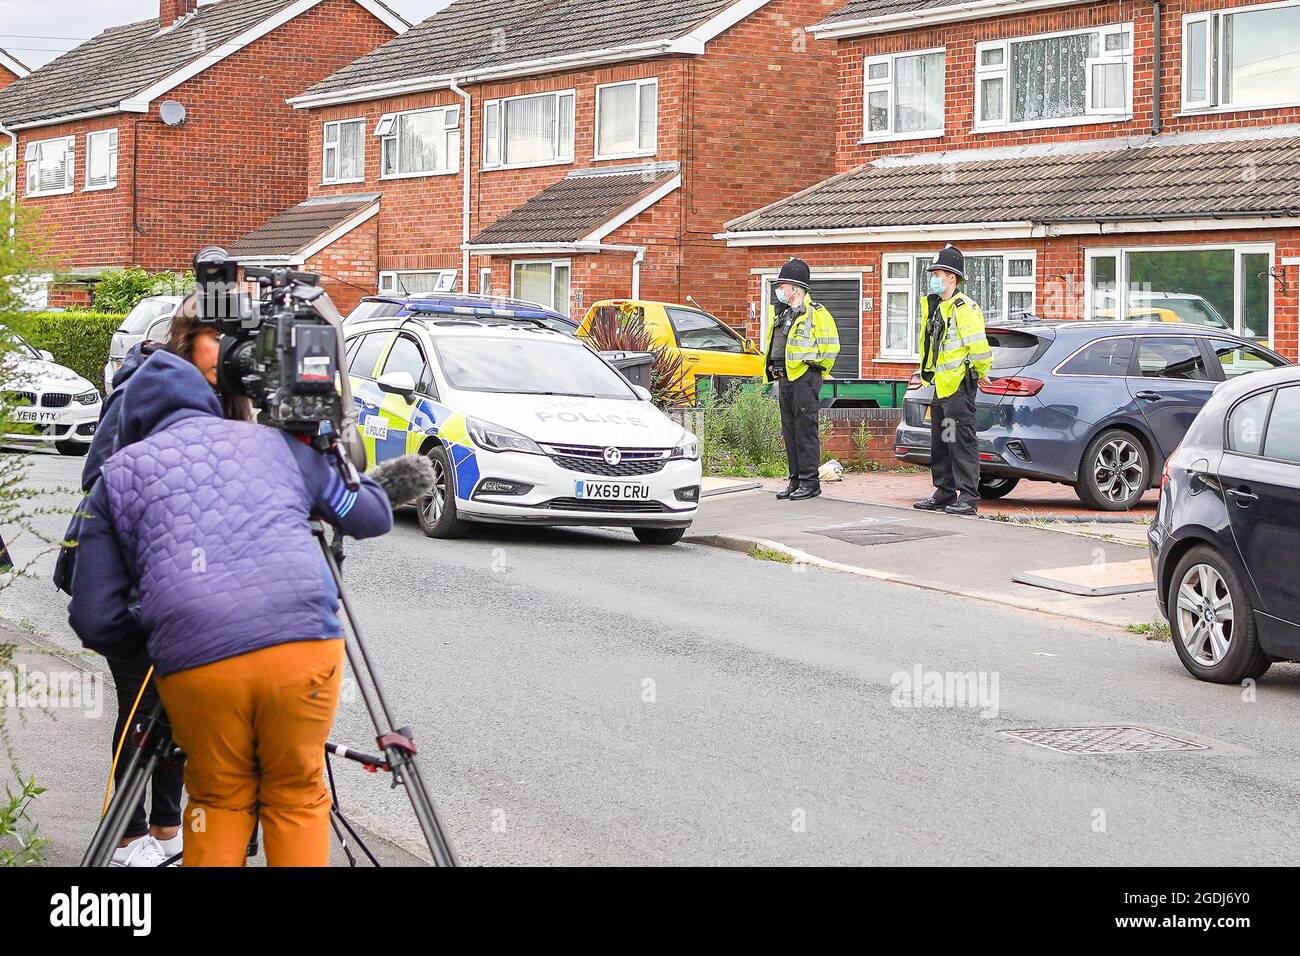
78, 340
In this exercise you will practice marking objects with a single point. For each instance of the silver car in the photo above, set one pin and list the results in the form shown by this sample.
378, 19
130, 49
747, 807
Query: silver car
149, 321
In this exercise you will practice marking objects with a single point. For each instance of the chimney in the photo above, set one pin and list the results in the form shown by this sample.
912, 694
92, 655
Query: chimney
169, 11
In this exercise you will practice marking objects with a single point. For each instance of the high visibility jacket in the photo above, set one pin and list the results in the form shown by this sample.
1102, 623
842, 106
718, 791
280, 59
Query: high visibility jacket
961, 344
813, 340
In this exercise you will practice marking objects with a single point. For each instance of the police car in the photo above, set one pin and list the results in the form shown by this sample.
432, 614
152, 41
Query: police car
523, 425
54, 404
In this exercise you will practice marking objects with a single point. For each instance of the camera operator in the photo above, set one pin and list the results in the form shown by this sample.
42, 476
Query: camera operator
197, 535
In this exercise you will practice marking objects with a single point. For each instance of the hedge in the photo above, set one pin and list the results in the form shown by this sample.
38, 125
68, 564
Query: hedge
79, 340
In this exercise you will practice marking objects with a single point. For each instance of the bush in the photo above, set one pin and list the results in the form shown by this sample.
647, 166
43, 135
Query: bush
624, 330
120, 290
78, 340
742, 435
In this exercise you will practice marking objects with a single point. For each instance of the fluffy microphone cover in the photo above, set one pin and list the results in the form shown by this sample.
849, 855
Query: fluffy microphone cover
405, 479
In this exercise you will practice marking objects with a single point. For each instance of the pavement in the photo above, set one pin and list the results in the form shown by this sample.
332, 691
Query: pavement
1072, 574
579, 698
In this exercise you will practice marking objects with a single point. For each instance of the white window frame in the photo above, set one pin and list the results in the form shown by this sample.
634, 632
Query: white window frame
638, 152
388, 280
327, 147
69, 170
492, 157
388, 130
554, 306
1120, 255
1002, 70
485, 281
886, 85
1010, 284
1215, 47
111, 136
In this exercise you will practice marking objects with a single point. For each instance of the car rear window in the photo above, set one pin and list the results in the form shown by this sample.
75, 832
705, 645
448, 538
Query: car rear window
1013, 349
1105, 357
374, 310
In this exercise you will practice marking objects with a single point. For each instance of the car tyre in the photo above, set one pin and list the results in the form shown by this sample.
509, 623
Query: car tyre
1115, 471
661, 536
74, 448
1224, 650
993, 487
437, 512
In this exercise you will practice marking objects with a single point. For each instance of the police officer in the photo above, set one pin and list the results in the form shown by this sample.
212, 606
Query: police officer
955, 357
802, 343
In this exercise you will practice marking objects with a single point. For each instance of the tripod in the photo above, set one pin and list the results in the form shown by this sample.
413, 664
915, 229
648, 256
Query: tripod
399, 755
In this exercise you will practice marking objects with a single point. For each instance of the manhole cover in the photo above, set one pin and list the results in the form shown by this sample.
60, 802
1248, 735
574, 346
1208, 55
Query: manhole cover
1103, 740
881, 534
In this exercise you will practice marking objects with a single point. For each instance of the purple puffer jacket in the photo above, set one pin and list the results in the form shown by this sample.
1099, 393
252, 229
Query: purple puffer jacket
206, 520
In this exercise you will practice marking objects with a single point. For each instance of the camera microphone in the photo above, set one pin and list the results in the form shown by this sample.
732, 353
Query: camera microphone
405, 479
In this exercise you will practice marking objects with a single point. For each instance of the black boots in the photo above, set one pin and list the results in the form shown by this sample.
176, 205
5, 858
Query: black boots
789, 490
805, 492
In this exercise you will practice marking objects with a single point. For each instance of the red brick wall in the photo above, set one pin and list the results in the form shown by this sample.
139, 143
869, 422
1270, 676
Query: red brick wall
7, 76
348, 267
960, 39
237, 161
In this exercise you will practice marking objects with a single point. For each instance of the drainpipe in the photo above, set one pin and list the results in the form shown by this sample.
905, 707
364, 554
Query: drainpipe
1156, 10
638, 257
466, 172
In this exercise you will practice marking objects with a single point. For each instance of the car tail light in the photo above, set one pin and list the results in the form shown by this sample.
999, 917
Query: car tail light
1021, 387
914, 381
1164, 472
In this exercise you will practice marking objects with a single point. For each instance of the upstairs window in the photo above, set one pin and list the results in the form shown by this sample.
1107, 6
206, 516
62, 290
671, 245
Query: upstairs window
627, 119
344, 152
1245, 58
903, 96
50, 166
1054, 79
419, 143
101, 159
532, 130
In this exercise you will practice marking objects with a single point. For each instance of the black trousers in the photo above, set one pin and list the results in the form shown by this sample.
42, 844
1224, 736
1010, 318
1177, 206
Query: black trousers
799, 401
168, 779
954, 450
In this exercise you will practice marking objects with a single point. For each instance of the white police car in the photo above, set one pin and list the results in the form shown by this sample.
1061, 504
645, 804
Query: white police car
53, 404
523, 425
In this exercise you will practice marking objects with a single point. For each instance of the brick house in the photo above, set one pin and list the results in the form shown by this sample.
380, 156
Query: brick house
560, 151
11, 68
155, 138
1090, 158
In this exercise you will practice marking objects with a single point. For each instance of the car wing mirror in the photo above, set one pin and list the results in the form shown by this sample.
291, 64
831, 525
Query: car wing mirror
47, 355
397, 383
643, 393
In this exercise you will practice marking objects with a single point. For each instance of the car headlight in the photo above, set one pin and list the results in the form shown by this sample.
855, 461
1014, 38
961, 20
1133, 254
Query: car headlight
496, 438
87, 398
688, 448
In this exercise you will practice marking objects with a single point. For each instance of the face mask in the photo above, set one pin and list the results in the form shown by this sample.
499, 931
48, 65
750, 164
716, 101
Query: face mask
782, 296
937, 284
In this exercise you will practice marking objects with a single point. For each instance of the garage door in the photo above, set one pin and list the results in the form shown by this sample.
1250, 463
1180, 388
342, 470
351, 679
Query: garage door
843, 299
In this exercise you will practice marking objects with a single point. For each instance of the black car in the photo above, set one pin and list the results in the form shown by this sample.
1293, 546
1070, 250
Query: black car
1226, 540
1096, 405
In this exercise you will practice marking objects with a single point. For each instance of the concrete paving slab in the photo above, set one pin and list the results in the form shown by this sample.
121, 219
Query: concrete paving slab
1094, 580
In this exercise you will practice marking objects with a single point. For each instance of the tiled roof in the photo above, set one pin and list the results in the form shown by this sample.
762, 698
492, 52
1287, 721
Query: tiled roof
301, 226
870, 9
474, 34
571, 209
126, 60
1155, 179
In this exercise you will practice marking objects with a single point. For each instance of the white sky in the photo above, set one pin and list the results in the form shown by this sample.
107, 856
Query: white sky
36, 31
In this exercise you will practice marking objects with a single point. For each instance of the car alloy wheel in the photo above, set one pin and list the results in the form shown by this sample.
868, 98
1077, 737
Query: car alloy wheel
1205, 614
432, 505
1117, 470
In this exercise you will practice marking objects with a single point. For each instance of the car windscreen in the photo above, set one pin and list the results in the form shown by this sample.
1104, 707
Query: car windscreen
15, 344
139, 319
528, 367
1013, 349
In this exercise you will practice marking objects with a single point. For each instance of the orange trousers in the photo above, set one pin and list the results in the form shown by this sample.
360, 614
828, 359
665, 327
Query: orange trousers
253, 729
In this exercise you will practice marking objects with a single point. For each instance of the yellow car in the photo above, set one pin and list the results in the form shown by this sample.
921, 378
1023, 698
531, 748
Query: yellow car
706, 344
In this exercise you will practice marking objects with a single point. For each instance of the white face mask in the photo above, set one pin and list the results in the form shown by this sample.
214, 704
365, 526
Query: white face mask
783, 294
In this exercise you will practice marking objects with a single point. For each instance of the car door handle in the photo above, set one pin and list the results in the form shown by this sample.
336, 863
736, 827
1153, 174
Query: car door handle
1243, 496
1149, 396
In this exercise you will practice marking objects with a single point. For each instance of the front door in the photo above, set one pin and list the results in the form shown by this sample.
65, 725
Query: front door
843, 300
1170, 382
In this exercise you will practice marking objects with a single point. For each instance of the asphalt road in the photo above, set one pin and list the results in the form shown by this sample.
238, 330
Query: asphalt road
581, 698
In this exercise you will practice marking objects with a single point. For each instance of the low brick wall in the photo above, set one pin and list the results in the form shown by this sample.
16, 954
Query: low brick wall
847, 423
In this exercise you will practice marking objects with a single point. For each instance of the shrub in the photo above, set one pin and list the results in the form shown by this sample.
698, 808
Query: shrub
742, 435
79, 340
625, 331
120, 290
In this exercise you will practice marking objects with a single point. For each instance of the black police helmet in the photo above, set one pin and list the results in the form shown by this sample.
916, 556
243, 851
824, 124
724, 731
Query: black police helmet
951, 260
796, 272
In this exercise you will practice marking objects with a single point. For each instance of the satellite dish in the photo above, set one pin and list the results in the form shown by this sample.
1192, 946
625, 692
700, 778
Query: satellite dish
172, 113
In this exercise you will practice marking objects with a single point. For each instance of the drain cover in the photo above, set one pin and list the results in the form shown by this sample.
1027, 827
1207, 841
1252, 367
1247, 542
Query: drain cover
1103, 740
881, 534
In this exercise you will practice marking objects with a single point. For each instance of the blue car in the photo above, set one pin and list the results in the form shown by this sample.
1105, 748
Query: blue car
1096, 405
457, 304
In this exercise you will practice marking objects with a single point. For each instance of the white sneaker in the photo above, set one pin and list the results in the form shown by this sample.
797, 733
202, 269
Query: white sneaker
143, 851
173, 846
